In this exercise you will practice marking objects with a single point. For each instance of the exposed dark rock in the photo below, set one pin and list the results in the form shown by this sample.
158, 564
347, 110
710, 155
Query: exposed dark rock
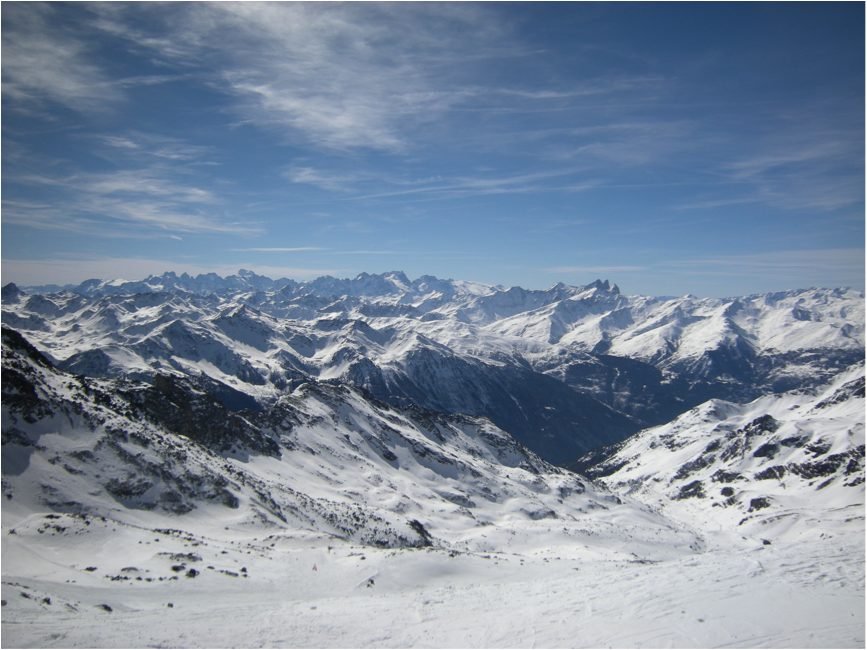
819, 448
185, 557
694, 465
178, 406
713, 445
695, 489
767, 450
759, 503
13, 340
722, 476
418, 527
775, 472
10, 293
761, 425
737, 448
824, 467
854, 388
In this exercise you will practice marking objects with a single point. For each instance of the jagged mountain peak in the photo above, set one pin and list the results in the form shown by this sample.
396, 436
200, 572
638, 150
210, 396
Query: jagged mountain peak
604, 285
395, 276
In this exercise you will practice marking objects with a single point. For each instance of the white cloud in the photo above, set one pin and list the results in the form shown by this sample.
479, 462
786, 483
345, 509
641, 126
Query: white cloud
149, 148
48, 61
334, 182
489, 185
345, 76
340, 76
128, 202
42, 64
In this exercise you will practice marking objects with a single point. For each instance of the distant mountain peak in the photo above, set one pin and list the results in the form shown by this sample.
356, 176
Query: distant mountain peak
604, 285
11, 293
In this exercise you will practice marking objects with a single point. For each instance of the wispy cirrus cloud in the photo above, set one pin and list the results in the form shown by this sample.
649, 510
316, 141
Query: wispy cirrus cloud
145, 186
331, 181
370, 185
842, 266
151, 148
595, 269
339, 76
49, 61
709, 204
605, 87
458, 187
802, 167
806, 162
371, 252
317, 249
280, 249
43, 64
139, 202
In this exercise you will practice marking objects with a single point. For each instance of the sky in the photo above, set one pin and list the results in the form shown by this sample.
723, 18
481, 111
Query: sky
710, 148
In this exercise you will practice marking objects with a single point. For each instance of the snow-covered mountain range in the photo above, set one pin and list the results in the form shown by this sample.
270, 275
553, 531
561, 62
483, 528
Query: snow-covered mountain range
564, 370
290, 463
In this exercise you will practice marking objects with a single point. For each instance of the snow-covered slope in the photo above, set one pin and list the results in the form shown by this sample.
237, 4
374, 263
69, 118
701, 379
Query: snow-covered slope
775, 467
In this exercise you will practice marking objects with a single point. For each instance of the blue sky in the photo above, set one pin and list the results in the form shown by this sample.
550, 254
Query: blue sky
715, 149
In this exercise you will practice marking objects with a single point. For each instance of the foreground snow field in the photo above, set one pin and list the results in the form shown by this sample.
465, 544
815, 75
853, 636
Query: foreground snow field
282, 590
